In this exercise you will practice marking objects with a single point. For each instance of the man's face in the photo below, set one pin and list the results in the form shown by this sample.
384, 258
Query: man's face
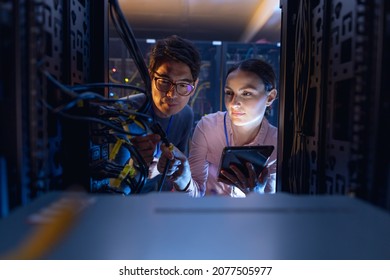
168, 103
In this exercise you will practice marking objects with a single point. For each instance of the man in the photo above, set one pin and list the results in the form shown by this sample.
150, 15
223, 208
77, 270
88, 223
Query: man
174, 69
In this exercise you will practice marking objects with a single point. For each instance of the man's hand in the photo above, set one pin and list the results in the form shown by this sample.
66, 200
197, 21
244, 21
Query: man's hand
146, 145
179, 170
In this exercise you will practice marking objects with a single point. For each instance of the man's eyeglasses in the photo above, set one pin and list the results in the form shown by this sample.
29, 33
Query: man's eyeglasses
165, 85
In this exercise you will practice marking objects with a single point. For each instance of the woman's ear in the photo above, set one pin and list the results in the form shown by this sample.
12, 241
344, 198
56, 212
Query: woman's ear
271, 97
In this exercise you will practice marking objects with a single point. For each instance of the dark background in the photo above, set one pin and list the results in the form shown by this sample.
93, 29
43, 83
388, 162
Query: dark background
332, 110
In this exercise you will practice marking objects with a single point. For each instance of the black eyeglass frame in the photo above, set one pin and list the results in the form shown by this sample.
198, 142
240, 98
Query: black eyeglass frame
173, 84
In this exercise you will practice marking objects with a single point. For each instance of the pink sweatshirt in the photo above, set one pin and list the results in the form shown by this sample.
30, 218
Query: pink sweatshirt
206, 148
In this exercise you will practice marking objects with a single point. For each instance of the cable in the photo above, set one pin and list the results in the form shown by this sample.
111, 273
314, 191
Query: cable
80, 97
198, 90
129, 40
100, 85
113, 116
134, 167
117, 117
156, 128
142, 166
301, 90
91, 119
120, 111
59, 85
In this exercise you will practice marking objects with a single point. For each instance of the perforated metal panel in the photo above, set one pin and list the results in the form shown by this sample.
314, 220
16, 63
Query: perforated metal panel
331, 73
40, 150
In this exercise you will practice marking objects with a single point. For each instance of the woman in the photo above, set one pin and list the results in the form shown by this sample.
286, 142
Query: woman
250, 88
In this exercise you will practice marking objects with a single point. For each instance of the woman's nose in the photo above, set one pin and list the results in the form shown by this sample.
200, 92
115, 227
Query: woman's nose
236, 100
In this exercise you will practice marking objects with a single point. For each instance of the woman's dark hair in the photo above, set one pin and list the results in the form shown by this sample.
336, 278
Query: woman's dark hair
177, 49
259, 67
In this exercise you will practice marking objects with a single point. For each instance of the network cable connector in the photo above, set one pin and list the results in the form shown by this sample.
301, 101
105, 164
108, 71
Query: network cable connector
156, 128
123, 170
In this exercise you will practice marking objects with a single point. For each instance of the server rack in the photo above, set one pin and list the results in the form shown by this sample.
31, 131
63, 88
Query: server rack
44, 43
334, 105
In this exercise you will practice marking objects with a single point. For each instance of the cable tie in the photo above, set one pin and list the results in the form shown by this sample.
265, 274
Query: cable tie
116, 148
125, 171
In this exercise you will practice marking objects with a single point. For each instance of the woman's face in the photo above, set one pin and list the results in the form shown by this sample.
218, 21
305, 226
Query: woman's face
170, 103
246, 99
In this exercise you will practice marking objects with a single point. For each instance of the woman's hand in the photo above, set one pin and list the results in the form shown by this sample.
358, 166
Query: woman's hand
179, 168
246, 184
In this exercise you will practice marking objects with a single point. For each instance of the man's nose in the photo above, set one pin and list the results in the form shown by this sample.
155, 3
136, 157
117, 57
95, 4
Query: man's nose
172, 91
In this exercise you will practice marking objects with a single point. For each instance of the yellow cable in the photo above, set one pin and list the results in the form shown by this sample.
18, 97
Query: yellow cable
115, 149
128, 168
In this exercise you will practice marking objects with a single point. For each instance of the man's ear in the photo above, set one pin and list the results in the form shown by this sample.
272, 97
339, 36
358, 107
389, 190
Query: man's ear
195, 85
271, 97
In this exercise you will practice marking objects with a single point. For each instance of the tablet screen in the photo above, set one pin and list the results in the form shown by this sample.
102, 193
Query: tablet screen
239, 155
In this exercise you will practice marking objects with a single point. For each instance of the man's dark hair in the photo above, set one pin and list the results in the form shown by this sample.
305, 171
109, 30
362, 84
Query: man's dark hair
177, 49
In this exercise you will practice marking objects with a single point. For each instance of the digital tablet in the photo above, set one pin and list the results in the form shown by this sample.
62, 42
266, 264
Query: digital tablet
239, 155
